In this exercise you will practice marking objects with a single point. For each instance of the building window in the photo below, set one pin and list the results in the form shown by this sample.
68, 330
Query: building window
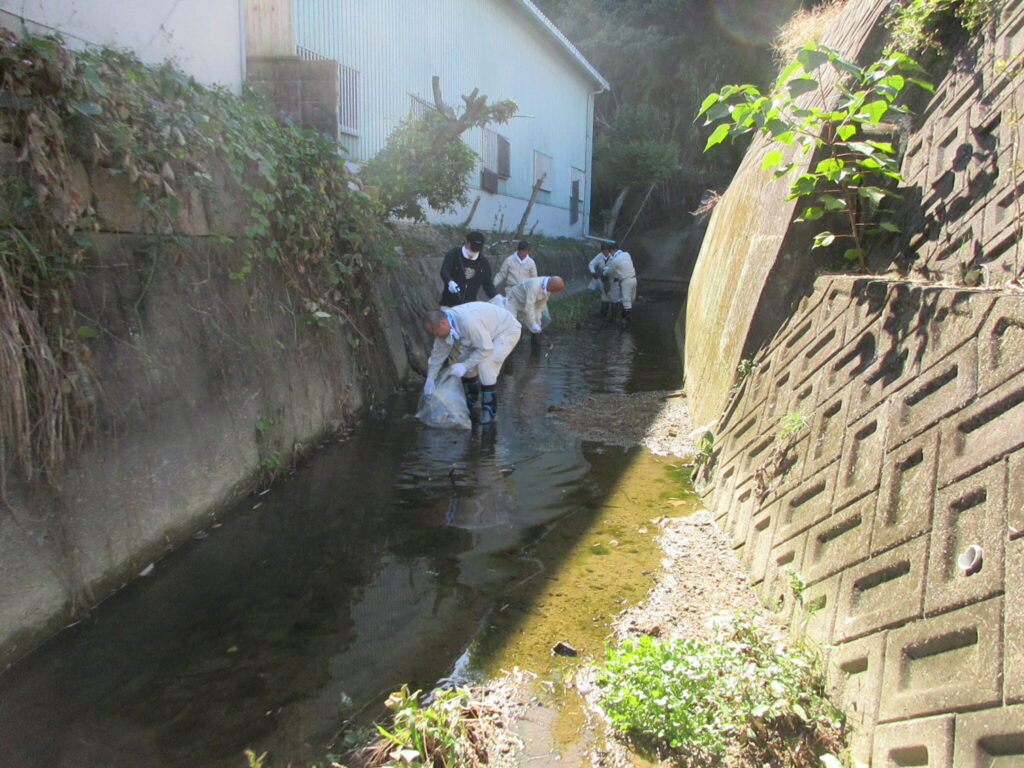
348, 100
497, 154
542, 170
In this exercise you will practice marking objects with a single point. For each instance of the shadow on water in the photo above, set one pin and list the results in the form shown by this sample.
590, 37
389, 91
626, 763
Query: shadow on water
379, 562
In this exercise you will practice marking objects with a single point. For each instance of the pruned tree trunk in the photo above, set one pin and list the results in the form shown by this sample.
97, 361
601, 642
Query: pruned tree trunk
529, 206
613, 216
638, 212
472, 213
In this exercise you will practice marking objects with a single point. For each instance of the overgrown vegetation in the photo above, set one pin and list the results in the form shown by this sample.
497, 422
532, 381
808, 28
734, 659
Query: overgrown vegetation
805, 27
852, 171
741, 696
916, 24
791, 428
171, 140
573, 311
424, 163
456, 728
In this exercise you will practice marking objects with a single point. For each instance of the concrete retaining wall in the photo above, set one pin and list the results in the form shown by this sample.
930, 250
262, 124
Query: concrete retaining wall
913, 449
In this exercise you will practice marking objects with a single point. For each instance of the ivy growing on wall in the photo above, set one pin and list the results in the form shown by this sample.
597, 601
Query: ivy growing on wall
303, 213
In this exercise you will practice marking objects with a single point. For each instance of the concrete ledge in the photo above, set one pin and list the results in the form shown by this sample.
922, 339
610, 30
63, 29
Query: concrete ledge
854, 676
993, 737
884, 591
947, 663
925, 742
971, 511
906, 495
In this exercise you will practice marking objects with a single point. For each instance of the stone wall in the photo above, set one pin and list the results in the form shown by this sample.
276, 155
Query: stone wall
913, 448
188, 361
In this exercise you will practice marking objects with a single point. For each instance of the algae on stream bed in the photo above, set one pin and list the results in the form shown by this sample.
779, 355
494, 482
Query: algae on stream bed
606, 563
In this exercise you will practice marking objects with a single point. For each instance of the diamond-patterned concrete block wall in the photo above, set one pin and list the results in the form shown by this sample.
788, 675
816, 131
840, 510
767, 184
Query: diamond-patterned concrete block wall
965, 160
912, 455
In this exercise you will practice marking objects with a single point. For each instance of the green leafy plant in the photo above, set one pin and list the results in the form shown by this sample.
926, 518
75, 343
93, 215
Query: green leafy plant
915, 23
424, 163
741, 690
791, 423
272, 460
743, 370
444, 733
704, 449
851, 170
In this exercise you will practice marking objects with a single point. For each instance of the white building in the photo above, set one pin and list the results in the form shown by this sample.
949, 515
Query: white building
390, 49
203, 37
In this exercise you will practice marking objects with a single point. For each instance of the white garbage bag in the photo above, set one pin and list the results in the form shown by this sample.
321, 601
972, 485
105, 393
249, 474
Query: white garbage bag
446, 407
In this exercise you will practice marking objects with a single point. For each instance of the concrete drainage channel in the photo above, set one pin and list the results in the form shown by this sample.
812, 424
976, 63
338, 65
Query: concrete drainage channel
381, 562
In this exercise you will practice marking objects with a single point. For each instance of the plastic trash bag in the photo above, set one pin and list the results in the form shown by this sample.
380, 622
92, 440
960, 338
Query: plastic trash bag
446, 408
594, 285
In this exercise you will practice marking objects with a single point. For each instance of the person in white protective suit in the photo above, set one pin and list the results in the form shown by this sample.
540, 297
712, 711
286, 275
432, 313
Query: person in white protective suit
609, 290
517, 267
527, 301
623, 276
482, 335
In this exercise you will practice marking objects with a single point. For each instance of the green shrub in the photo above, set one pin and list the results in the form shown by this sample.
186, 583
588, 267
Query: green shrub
694, 699
915, 23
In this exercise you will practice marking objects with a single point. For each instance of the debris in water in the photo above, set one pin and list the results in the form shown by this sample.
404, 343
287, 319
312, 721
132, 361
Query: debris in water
562, 648
147, 570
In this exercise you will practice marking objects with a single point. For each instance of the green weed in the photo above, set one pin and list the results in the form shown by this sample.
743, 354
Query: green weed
447, 732
916, 24
740, 692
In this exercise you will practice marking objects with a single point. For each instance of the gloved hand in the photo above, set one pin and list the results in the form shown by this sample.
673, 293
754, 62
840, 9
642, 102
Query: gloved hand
428, 387
457, 369
453, 287
535, 328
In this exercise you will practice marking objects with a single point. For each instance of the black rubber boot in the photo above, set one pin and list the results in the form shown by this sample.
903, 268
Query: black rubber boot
605, 305
471, 386
535, 344
627, 318
614, 312
489, 405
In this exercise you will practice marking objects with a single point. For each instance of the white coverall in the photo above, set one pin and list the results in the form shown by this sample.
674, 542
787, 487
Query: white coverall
596, 267
482, 335
527, 301
514, 270
623, 275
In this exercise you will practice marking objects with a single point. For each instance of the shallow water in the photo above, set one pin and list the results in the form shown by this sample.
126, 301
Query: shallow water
395, 556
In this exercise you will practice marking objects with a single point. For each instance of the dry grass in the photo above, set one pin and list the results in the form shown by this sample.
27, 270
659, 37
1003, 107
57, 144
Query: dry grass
42, 403
804, 28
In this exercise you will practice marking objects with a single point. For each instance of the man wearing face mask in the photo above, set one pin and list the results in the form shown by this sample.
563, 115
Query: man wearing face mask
464, 271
